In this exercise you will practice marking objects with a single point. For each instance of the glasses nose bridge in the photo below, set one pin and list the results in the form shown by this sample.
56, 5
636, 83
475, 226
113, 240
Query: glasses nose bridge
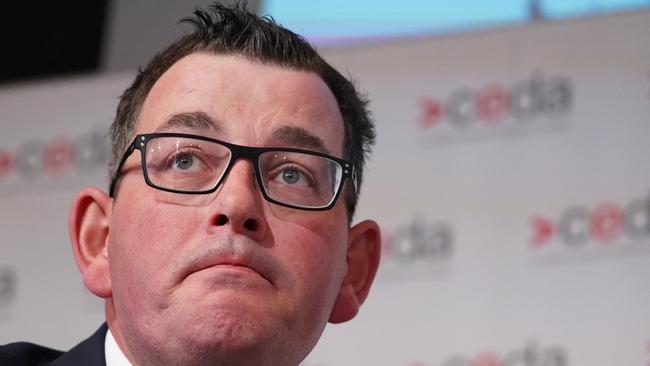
247, 153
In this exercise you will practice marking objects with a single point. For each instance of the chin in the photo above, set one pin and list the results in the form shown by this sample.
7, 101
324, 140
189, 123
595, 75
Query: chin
235, 341
247, 336
230, 326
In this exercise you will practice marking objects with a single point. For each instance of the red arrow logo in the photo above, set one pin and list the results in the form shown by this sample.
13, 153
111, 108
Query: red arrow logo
6, 162
432, 112
543, 231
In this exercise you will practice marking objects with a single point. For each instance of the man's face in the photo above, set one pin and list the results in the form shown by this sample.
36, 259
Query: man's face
229, 273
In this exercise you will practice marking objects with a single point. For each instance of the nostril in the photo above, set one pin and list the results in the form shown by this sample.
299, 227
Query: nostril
221, 220
250, 224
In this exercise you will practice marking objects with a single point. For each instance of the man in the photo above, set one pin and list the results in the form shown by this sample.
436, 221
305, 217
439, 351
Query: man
225, 236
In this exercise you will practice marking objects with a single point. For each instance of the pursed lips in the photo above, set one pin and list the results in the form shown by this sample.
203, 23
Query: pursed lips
230, 266
229, 262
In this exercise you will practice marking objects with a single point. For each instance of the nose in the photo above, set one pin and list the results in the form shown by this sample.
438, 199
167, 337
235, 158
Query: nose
238, 205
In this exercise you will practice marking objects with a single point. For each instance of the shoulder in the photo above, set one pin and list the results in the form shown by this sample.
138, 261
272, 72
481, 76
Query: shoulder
90, 352
26, 354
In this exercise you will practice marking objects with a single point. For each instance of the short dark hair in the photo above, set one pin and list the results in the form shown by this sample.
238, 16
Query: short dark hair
234, 30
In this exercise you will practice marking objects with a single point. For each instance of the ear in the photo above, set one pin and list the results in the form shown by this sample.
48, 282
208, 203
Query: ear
364, 247
88, 225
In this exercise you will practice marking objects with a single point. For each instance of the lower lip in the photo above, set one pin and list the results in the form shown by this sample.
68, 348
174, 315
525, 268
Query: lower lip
232, 275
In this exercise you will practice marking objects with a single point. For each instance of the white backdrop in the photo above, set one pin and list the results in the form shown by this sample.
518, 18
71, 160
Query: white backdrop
511, 180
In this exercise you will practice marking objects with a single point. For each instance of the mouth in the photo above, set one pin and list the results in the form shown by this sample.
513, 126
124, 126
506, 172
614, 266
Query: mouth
227, 259
230, 271
230, 267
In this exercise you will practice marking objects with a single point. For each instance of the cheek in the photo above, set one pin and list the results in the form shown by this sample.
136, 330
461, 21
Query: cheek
143, 242
314, 249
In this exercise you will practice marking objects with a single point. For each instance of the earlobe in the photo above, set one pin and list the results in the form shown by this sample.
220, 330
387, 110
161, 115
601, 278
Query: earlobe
364, 247
89, 227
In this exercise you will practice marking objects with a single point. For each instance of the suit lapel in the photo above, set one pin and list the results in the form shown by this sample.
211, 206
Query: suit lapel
87, 353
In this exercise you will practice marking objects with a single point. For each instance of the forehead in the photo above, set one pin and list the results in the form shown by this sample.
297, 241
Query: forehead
248, 101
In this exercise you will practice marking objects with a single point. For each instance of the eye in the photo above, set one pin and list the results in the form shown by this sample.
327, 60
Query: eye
291, 176
183, 161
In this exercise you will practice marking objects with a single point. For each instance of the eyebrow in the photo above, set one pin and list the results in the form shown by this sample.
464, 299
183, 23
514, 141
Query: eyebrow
191, 120
299, 137
289, 135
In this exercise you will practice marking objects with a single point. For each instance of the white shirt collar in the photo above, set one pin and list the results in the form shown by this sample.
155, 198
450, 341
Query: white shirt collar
114, 355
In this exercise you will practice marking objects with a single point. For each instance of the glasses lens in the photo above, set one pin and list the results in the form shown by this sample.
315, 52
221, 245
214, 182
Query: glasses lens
300, 179
185, 164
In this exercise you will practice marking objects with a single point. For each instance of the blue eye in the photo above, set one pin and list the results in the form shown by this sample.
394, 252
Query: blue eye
290, 176
183, 162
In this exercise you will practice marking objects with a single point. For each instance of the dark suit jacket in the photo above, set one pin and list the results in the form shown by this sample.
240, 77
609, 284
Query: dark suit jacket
87, 353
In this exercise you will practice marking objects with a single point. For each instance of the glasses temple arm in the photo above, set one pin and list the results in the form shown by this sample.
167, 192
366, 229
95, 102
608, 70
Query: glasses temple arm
118, 170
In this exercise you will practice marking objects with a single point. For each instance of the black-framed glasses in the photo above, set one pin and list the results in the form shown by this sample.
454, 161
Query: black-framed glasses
193, 164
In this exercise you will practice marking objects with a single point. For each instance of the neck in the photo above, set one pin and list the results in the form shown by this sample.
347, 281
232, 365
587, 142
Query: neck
116, 330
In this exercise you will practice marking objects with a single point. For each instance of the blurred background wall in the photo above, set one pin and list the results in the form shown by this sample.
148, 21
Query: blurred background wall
510, 175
